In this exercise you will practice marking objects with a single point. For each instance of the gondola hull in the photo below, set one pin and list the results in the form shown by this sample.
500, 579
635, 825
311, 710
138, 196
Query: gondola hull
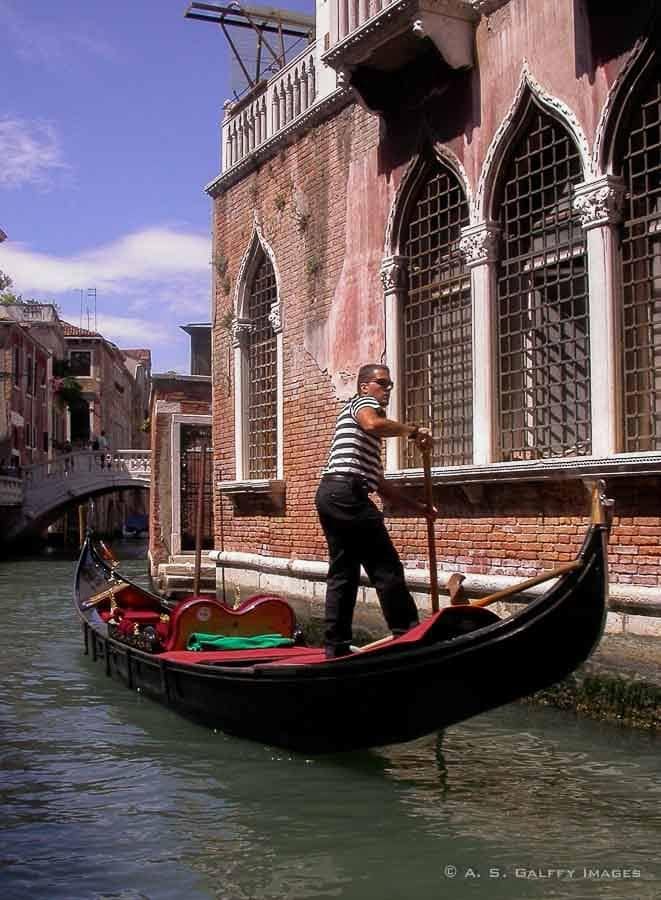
400, 691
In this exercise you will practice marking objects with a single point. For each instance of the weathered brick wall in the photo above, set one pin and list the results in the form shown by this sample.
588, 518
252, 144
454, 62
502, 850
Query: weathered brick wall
322, 205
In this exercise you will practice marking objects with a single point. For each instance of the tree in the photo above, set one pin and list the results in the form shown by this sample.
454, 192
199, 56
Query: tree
7, 296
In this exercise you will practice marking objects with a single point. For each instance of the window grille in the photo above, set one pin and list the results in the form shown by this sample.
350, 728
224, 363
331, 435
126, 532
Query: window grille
641, 270
437, 364
262, 391
543, 325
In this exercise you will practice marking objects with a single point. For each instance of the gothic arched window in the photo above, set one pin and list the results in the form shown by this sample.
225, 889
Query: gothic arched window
436, 320
261, 351
542, 312
641, 266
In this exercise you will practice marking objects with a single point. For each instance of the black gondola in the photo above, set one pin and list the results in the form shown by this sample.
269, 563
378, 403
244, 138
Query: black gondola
458, 663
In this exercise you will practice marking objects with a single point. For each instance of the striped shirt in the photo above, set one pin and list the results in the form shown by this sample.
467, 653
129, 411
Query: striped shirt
353, 451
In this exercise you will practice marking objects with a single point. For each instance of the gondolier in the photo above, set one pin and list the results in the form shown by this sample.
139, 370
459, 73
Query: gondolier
353, 525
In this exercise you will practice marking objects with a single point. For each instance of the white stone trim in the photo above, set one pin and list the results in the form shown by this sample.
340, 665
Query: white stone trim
507, 131
599, 202
307, 578
615, 106
394, 275
413, 174
479, 243
241, 326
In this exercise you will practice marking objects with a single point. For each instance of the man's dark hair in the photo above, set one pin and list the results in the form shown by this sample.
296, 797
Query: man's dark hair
367, 372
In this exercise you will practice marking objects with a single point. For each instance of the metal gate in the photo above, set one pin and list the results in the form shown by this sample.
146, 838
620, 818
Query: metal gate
196, 464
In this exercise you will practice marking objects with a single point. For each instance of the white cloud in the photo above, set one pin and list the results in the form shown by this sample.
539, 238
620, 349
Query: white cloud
29, 152
147, 283
174, 261
126, 331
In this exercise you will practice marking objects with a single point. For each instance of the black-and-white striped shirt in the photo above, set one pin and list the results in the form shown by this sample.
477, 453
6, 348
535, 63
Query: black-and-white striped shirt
353, 451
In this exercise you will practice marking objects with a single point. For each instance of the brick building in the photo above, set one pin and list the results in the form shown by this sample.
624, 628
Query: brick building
474, 199
26, 397
181, 445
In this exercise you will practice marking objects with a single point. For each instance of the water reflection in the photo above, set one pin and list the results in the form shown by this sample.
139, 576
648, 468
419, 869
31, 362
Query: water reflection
106, 794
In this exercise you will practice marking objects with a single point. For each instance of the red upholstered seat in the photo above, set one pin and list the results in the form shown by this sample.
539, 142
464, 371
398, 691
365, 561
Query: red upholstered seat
261, 615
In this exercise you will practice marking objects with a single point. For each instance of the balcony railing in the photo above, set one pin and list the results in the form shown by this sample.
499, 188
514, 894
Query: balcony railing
348, 15
11, 491
283, 99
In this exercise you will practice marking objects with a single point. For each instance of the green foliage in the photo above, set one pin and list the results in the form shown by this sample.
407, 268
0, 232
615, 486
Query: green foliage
68, 391
225, 321
220, 263
313, 265
7, 296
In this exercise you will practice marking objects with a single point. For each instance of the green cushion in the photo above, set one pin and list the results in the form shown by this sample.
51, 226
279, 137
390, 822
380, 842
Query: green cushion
198, 641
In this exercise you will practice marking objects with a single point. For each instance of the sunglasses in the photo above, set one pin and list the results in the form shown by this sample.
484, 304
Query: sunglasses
384, 383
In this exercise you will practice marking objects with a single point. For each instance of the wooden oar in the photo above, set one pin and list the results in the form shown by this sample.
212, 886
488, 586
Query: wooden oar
531, 582
431, 545
199, 514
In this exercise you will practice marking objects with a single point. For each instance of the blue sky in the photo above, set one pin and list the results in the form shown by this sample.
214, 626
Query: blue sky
109, 130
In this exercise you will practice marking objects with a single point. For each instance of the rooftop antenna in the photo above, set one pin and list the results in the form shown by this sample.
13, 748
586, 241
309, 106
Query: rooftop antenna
289, 28
87, 306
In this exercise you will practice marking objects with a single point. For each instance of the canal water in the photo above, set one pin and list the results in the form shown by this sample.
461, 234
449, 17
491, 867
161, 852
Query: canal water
105, 794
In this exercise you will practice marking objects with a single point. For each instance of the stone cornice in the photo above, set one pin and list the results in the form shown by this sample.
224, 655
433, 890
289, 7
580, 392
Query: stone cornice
240, 330
479, 243
393, 274
417, 16
599, 202
620, 465
312, 116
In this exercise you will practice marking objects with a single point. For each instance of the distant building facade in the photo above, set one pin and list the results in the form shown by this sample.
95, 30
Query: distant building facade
32, 420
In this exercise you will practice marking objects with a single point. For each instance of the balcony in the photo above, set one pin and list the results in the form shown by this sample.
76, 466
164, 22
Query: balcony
375, 47
379, 47
269, 108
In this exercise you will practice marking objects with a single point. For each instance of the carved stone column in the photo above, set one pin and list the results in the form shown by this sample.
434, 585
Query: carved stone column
275, 318
479, 245
240, 330
599, 205
393, 276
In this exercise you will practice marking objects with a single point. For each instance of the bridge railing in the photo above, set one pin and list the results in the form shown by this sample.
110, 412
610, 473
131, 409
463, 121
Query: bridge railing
11, 491
84, 462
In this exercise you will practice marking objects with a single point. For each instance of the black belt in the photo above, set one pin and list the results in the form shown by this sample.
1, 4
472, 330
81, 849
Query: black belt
341, 476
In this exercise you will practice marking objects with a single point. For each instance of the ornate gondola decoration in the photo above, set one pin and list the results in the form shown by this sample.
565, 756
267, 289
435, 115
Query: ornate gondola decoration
459, 662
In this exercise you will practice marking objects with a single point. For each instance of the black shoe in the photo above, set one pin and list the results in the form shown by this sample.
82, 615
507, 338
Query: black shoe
336, 650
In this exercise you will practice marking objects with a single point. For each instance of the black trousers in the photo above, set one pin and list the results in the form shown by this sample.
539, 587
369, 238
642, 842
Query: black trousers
356, 535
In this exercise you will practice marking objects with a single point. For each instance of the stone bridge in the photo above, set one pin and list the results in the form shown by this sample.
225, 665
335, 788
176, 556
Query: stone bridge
44, 491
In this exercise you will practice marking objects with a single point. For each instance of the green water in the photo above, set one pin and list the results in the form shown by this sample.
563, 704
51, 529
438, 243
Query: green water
106, 794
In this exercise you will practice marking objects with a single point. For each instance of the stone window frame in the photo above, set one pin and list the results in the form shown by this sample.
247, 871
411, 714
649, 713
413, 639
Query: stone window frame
242, 484
607, 159
598, 201
394, 275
